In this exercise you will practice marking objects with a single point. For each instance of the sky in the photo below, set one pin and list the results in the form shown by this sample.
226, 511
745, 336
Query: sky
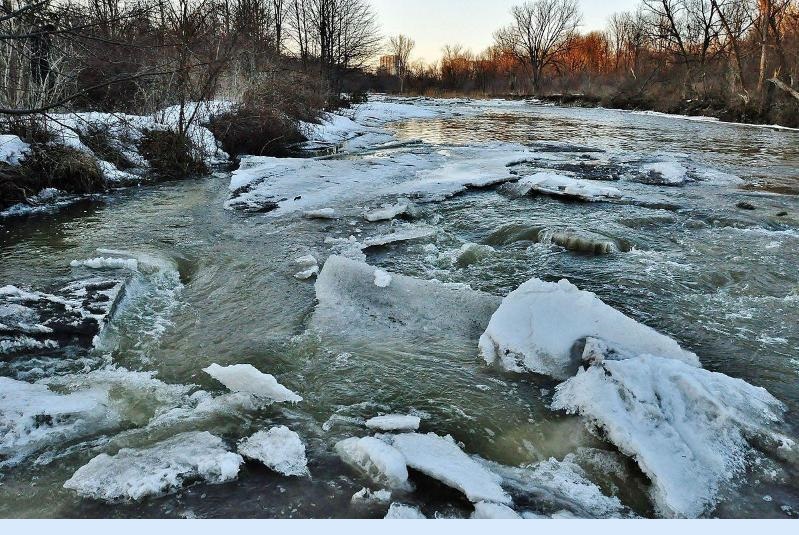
435, 23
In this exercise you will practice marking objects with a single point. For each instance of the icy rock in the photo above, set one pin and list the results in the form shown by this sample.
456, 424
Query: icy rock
563, 186
537, 327
376, 459
163, 468
394, 422
398, 511
387, 212
307, 274
493, 511
382, 278
687, 428
472, 253
350, 303
279, 448
246, 378
324, 213
367, 496
441, 459
665, 173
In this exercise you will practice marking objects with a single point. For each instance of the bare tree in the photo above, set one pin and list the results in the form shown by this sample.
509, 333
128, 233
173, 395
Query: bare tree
541, 31
401, 47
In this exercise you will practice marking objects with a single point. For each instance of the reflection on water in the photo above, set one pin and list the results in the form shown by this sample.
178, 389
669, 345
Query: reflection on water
721, 280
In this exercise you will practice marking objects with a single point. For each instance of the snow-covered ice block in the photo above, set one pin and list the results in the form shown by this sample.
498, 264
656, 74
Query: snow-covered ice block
687, 428
376, 459
399, 511
403, 234
394, 422
133, 474
493, 511
246, 378
107, 263
537, 327
280, 448
382, 278
669, 173
350, 303
442, 459
322, 213
564, 186
306, 274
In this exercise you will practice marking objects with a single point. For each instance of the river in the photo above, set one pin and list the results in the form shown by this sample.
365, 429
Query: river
216, 285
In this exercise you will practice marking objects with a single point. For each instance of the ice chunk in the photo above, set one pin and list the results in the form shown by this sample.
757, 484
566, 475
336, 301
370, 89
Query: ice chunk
398, 511
405, 233
350, 303
559, 485
382, 278
387, 212
471, 253
279, 448
307, 274
12, 149
394, 422
160, 469
665, 173
493, 511
538, 326
378, 460
687, 428
564, 186
441, 459
246, 378
306, 261
367, 496
323, 213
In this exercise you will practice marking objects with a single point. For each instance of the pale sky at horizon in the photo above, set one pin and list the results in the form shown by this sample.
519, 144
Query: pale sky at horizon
435, 23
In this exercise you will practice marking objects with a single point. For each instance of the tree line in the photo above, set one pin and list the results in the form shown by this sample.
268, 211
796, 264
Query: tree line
737, 58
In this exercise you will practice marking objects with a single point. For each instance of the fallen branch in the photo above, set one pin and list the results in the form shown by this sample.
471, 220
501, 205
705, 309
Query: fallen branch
785, 87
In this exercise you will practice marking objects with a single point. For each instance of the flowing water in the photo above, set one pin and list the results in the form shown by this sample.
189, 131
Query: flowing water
219, 288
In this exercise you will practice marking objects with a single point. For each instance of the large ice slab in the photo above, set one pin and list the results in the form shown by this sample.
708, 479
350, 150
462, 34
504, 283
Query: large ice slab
165, 467
687, 428
376, 459
350, 303
280, 448
442, 459
246, 378
538, 327
563, 186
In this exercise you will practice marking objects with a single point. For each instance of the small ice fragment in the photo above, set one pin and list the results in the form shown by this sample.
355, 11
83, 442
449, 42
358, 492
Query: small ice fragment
367, 496
246, 378
398, 511
324, 213
387, 212
394, 422
493, 511
279, 448
307, 274
107, 263
382, 278
380, 461
306, 261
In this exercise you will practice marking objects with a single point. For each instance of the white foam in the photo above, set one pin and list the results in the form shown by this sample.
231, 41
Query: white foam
107, 263
399, 511
441, 459
246, 378
394, 422
280, 448
537, 326
133, 474
687, 428
376, 459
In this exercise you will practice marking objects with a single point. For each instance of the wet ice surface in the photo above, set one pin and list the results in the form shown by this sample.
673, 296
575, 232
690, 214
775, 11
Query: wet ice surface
391, 325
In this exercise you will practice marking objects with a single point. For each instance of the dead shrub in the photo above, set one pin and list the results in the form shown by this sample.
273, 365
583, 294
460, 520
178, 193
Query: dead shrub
171, 155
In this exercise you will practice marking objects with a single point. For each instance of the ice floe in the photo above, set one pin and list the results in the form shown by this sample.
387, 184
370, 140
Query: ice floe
350, 303
399, 511
387, 212
280, 448
376, 459
493, 511
539, 326
564, 186
442, 459
367, 496
394, 422
322, 213
165, 467
688, 429
246, 378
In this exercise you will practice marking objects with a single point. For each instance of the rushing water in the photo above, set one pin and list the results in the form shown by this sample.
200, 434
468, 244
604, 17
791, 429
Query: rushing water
721, 280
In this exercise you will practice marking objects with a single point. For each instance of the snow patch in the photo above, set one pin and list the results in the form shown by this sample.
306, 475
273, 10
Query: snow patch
12, 149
